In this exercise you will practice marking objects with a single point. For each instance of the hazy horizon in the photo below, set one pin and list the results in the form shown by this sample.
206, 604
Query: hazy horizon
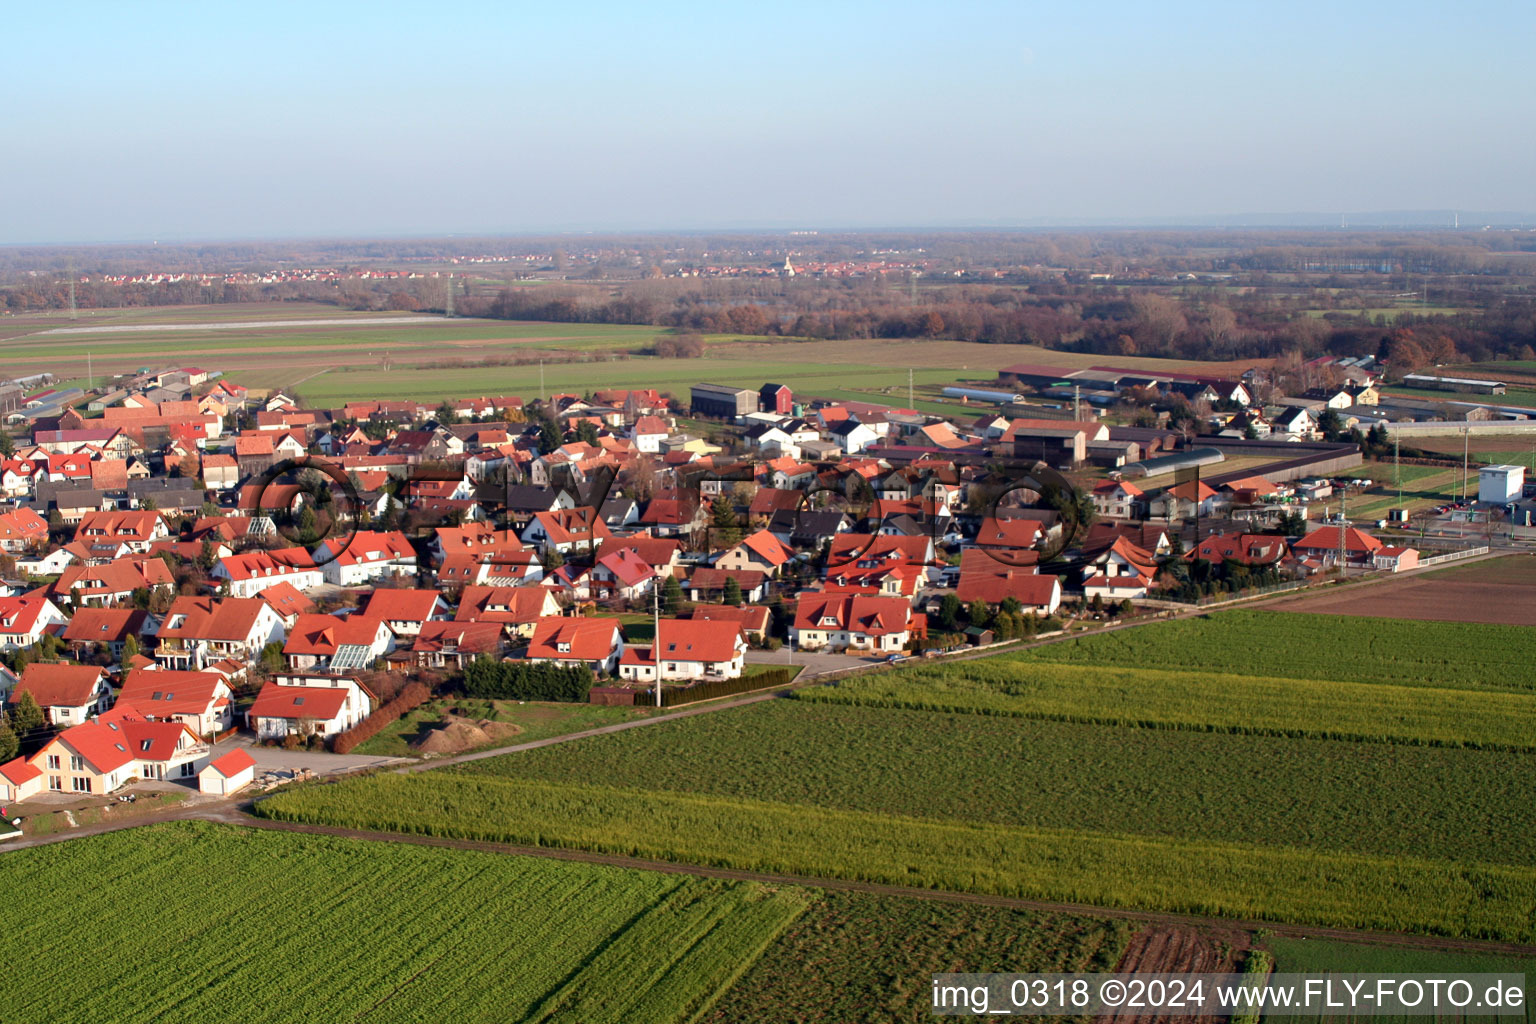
352, 122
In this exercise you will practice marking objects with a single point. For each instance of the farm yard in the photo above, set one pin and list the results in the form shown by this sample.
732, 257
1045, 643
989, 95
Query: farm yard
461, 935
1499, 591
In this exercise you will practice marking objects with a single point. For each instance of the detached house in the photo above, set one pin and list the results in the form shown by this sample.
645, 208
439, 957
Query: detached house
405, 612
333, 643
22, 530
687, 649
1118, 499
517, 610
366, 556
854, 621
201, 631
67, 693
100, 756
595, 643
252, 572
137, 529
303, 705
202, 701
25, 618
760, 551
567, 530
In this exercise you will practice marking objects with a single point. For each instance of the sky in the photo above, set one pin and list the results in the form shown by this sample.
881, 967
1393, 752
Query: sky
177, 122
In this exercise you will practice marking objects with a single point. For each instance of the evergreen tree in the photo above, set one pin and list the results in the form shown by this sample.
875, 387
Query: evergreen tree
671, 596
731, 592
978, 612
724, 525
309, 524
949, 612
130, 649
586, 431
10, 744
549, 437
7, 444
26, 716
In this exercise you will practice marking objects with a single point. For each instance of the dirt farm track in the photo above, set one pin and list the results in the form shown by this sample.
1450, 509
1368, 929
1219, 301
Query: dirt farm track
1499, 591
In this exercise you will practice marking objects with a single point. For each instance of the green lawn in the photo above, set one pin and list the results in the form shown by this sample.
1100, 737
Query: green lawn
534, 721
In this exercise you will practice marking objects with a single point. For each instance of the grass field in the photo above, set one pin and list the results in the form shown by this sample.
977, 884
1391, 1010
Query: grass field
335, 355
855, 957
1523, 398
1362, 650
320, 927
1016, 686
533, 721
1422, 486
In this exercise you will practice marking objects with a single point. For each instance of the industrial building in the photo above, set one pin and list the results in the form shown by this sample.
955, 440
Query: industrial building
723, 401
1469, 385
1498, 485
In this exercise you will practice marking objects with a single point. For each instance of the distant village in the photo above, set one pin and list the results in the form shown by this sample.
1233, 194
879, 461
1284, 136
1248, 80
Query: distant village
185, 561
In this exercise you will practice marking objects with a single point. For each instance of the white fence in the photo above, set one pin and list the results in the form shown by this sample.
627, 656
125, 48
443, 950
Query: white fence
1451, 556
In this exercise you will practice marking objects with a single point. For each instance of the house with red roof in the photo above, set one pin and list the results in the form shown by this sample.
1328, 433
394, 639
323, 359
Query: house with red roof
138, 528
985, 578
621, 574
405, 612
111, 584
26, 617
308, 705
1124, 571
456, 644
107, 627
201, 631
1249, 549
1118, 499
202, 701
516, 609
19, 780
1186, 501
596, 643
285, 599
1396, 559
567, 530
687, 650
760, 551
1321, 547
102, 755
67, 693
228, 773
648, 433
366, 556
327, 642
753, 619
851, 621
22, 529
252, 572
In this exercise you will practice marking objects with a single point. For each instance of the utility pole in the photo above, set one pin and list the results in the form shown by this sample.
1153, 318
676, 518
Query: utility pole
1077, 393
1466, 440
656, 636
1397, 466
73, 311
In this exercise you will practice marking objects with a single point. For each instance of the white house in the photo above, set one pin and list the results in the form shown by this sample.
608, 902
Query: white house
366, 556
687, 649
326, 705
250, 573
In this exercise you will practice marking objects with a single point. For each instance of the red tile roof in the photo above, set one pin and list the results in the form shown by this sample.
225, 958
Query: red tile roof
233, 763
162, 693
62, 685
586, 639
318, 702
511, 605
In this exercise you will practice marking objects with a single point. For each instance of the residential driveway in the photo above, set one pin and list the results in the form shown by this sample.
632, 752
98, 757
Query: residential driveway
815, 662
319, 761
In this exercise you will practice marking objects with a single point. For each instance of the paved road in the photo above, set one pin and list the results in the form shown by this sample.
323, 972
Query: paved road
318, 761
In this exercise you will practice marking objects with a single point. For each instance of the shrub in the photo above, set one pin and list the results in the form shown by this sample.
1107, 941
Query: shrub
527, 680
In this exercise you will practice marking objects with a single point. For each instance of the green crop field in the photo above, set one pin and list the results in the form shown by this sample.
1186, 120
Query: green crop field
1522, 397
853, 956
1322, 956
1157, 818
1211, 875
318, 928
1363, 650
532, 720
1019, 686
